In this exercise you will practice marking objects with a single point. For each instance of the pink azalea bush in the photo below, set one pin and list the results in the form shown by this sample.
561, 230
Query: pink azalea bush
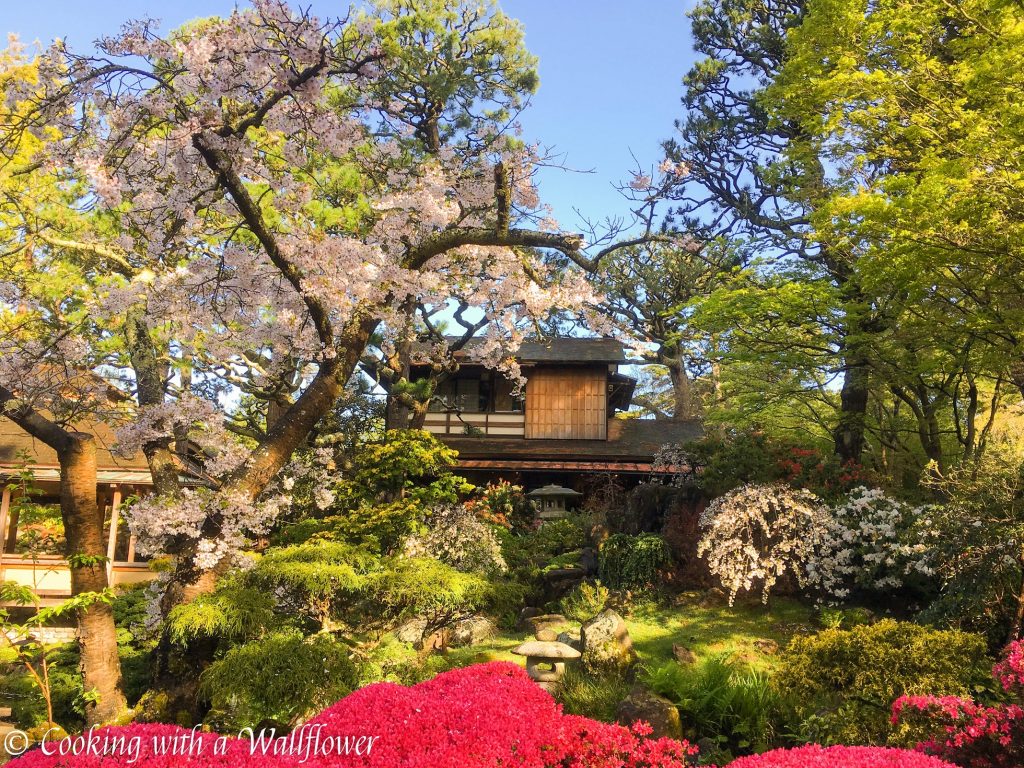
814, 756
967, 733
484, 715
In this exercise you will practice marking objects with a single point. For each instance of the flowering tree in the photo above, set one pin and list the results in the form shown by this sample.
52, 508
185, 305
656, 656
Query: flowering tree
274, 190
757, 533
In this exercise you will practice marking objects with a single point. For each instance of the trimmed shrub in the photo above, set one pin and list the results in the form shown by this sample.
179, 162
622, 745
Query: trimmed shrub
840, 683
626, 562
280, 677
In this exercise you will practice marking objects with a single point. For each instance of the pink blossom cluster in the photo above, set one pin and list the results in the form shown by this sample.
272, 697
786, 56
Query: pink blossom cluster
484, 715
490, 715
815, 756
965, 732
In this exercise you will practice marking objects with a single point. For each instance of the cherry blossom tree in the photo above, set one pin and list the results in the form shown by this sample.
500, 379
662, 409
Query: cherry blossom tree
275, 191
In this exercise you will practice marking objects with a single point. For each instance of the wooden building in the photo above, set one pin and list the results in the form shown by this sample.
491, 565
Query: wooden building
567, 423
31, 552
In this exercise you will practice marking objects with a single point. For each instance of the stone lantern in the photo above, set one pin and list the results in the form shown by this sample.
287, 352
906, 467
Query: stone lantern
551, 501
545, 661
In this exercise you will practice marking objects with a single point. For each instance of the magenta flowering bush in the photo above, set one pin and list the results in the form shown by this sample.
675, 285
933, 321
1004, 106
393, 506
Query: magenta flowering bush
814, 756
967, 733
484, 716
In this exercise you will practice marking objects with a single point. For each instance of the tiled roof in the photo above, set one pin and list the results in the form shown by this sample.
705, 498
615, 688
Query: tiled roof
13, 441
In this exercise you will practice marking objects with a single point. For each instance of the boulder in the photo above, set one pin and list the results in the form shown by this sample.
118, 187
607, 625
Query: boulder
684, 655
412, 631
571, 637
546, 621
473, 630
660, 713
606, 642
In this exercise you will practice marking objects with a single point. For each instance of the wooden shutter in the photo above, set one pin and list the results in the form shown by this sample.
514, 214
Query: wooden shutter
567, 404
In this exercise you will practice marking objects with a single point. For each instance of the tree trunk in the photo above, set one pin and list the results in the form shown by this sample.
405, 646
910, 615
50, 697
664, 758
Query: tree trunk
86, 552
849, 433
682, 391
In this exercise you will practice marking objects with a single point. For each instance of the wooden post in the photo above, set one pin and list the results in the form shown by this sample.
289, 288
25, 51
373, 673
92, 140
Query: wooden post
5, 505
115, 506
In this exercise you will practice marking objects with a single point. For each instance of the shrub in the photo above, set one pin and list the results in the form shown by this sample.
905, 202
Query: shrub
758, 533
814, 756
726, 702
967, 733
840, 683
626, 562
585, 601
877, 544
280, 677
456, 536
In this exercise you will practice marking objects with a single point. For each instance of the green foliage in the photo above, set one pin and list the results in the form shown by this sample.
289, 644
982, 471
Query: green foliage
585, 601
626, 562
734, 706
527, 553
426, 588
505, 599
234, 613
281, 677
843, 618
591, 694
839, 684
316, 579
394, 483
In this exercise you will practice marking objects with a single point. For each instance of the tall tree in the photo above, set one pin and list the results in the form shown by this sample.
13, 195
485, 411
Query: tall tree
918, 117
758, 181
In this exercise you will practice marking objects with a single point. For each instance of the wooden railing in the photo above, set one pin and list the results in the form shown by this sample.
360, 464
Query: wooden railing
498, 424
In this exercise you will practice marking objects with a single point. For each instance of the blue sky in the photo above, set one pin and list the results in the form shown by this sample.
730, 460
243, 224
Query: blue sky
610, 76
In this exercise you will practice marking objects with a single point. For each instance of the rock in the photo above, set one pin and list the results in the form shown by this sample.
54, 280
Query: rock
714, 597
523, 624
473, 630
659, 712
571, 637
546, 621
606, 642
412, 631
684, 655
766, 646
547, 635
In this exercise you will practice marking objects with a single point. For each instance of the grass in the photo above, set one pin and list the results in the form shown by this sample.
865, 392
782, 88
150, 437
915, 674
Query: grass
708, 628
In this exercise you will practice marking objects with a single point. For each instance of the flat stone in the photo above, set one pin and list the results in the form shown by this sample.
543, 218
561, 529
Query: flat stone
546, 650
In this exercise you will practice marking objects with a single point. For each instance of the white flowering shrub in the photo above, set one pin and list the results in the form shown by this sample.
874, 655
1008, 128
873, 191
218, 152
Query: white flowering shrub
457, 537
877, 543
756, 533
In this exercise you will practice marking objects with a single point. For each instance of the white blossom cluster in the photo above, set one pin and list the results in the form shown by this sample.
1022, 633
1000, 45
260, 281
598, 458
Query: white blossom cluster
457, 537
877, 543
754, 534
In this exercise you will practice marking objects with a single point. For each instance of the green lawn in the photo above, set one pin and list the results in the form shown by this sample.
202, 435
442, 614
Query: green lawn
706, 628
